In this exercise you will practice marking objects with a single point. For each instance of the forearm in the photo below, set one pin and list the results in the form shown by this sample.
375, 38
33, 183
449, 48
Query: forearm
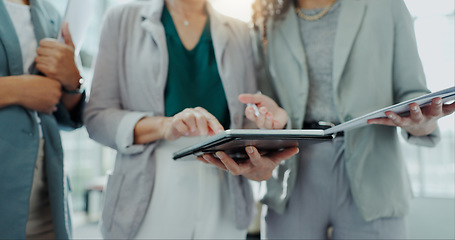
8, 91
150, 129
70, 100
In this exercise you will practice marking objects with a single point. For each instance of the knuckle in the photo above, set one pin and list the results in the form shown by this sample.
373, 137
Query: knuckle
435, 113
175, 120
199, 117
58, 55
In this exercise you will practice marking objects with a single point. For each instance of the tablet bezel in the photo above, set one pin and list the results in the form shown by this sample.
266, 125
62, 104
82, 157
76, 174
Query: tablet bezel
234, 141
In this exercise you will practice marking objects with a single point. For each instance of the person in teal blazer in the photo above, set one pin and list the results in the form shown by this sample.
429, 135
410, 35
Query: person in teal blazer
35, 102
332, 61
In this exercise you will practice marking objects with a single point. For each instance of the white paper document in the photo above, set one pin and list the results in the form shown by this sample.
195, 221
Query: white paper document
447, 95
78, 14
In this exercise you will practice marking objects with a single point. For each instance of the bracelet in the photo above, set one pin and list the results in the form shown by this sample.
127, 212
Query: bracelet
78, 90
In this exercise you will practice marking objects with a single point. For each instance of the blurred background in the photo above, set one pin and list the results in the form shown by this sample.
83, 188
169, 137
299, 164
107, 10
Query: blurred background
432, 170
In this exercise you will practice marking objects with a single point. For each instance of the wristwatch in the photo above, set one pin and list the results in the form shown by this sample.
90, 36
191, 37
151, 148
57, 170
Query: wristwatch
78, 90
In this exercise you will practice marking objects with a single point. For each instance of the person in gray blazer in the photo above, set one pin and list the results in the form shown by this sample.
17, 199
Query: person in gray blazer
39, 95
167, 74
329, 61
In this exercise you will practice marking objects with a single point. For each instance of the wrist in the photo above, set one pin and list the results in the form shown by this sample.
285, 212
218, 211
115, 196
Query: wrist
77, 89
16, 89
165, 123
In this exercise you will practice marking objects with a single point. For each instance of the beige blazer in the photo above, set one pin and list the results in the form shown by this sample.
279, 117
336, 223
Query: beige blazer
128, 84
375, 64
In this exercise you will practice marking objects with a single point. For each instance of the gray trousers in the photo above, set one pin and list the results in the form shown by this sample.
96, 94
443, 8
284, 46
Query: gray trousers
322, 199
39, 224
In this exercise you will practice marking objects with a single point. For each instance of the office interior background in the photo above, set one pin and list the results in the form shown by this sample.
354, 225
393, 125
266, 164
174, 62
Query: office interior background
432, 170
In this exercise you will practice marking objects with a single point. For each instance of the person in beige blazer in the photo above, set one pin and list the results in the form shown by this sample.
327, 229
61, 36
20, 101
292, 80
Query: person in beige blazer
168, 73
332, 61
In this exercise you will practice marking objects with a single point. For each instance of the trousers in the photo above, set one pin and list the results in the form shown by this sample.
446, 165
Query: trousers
322, 200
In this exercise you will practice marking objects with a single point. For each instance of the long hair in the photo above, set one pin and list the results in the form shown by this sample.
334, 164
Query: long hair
263, 10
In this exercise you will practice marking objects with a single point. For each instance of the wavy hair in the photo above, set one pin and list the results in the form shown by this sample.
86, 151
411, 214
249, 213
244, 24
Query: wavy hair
263, 10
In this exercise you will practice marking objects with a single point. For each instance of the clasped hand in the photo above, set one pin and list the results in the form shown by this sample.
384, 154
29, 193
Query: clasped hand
56, 60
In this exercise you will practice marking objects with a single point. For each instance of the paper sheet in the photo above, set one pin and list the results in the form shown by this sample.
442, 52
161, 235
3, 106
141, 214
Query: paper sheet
447, 95
78, 14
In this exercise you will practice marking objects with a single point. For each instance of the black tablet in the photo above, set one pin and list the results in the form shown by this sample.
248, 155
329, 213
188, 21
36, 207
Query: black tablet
234, 141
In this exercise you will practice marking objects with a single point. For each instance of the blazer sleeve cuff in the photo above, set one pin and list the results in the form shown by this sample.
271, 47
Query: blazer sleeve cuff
125, 134
429, 140
70, 120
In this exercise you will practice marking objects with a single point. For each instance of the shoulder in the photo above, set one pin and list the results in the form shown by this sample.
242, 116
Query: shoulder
386, 7
236, 25
124, 17
238, 30
394, 9
127, 8
50, 10
127, 12
49, 7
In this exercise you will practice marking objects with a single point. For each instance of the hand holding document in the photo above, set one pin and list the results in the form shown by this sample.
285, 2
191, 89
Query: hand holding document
401, 109
78, 15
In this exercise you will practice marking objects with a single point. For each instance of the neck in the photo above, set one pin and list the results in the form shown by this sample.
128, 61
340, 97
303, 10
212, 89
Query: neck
312, 4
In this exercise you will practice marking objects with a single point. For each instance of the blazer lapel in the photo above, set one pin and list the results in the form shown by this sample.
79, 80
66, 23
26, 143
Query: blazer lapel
285, 34
289, 29
10, 42
219, 29
151, 23
351, 15
221, 35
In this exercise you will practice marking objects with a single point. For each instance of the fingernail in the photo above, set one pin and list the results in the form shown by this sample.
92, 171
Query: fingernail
205, 158
219, 155
391, 116
414, 108
249, 149
439, 101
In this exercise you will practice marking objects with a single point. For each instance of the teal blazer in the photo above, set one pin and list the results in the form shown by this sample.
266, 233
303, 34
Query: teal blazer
19, 137
375, 64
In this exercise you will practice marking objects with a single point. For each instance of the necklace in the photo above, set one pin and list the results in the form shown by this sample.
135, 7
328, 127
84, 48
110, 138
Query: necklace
317, 16
179, 12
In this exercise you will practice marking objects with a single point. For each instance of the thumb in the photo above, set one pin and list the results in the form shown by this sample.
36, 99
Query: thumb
67, 35
251, 98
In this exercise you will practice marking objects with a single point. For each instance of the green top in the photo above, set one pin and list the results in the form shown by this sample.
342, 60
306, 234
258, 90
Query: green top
193, 79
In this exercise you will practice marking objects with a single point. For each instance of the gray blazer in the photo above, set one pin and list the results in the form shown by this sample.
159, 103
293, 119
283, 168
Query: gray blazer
128, 84
375, 64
